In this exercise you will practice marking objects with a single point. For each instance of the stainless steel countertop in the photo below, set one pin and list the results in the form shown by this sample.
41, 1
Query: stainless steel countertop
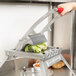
58, 72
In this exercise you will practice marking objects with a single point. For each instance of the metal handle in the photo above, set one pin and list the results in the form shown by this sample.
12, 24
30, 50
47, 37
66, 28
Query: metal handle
39, 21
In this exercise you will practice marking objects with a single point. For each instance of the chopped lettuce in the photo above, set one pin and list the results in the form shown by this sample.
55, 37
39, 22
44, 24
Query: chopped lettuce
35, 48
27, 47
42, 46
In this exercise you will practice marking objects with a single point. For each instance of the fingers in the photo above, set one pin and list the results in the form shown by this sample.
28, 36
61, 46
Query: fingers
61, 6
67, 8
63, 13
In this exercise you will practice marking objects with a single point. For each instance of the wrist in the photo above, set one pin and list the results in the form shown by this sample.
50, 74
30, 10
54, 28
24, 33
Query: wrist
74, 6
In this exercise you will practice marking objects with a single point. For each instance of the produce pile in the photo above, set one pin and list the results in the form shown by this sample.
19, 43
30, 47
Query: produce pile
35, 48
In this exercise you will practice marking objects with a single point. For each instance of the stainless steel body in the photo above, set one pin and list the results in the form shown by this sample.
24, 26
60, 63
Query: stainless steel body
49, 53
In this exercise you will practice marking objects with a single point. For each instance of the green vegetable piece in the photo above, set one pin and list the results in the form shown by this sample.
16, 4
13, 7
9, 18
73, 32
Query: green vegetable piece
27, 47
42, 46
36, 49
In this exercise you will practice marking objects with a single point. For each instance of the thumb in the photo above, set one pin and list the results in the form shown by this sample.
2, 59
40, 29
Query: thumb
63, 13
60, 6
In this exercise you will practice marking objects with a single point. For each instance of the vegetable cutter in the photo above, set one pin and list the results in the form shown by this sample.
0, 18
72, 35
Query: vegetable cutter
51, 56
31, 37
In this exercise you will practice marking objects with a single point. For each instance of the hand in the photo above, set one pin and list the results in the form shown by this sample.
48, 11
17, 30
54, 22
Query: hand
67, 7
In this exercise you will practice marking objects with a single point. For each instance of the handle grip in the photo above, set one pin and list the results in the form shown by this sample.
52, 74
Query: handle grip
60, 10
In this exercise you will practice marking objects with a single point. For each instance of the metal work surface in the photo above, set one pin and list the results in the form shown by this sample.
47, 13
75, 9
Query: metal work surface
57, 72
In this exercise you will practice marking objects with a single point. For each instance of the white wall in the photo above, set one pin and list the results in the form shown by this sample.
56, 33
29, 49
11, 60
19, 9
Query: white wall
15, 20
